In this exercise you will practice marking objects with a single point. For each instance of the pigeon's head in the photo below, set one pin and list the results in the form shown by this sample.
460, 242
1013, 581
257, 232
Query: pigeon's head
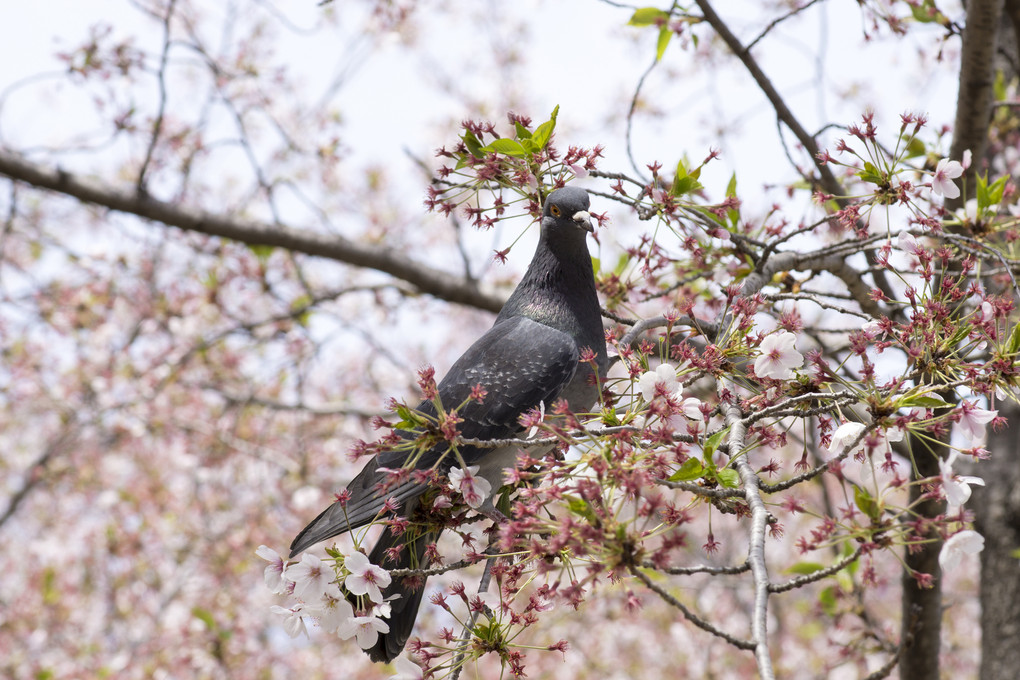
567, 209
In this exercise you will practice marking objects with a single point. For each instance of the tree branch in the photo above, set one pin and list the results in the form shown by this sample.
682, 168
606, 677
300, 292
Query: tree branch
430, 281
756, 549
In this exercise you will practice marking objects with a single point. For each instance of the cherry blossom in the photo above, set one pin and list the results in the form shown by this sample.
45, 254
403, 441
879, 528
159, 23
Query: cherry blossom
973, 420
333, 610
365, 628
664, 376
691, 407
406, 669
778, 356
310, 577
956, 487
906, 242
845, 435
365, 577
942, 180
293, 622
274, 570
473, 488
967, 542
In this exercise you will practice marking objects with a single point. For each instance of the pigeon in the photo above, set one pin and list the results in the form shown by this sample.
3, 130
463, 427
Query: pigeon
530, 358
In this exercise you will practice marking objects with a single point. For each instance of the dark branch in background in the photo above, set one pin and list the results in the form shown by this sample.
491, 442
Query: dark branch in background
427, 280
828, 181
36, 472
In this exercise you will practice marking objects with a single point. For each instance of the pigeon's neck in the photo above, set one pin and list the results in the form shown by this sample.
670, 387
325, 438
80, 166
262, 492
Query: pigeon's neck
558, 290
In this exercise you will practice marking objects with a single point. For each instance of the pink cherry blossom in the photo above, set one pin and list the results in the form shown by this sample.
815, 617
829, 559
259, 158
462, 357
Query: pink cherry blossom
691, 407
845, 435
333, 610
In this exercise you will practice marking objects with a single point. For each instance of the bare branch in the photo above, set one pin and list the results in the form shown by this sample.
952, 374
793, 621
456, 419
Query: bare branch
426, 279
688, 614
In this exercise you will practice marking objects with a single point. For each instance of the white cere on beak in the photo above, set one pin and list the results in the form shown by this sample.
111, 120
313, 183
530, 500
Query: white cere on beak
583, 220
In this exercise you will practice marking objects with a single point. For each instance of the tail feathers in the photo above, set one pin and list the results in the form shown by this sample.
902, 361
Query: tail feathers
367, 500
403, 609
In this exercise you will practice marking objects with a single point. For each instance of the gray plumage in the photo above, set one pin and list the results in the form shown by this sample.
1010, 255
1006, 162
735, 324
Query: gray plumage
530, 356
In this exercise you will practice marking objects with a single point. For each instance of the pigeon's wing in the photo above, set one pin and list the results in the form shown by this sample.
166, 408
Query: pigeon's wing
519, 362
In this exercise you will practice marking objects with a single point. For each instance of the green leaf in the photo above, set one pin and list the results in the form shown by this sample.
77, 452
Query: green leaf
262, 252
647, 16
866, 504
685, 181
409, 418
1013, 346
544, 131
205, 617
621, 264
923, 400
805, 568
871, 174
581, 507
665, 33
713, 442
728, 477
921, 12
915, 148
474, 146
828, 600
1000, 86
507, 147
690, 470
522, 132
731, 188
990, 195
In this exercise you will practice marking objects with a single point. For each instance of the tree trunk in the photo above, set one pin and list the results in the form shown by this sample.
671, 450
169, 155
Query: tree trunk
998, 520
921, 628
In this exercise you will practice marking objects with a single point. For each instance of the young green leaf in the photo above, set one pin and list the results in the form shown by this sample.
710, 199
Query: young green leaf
647, 16
544, 131
665, 33
474, 146
690, 470
507, 147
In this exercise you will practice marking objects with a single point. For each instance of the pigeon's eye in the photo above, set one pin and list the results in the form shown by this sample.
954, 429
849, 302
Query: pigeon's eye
555, 211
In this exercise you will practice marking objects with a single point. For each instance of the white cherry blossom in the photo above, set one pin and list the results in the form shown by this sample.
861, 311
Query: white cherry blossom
942, 181
967, 542
365, 578
663, 374
778, 356
473, 488
310, 577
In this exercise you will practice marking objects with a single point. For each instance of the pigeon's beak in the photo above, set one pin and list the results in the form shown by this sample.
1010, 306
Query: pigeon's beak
582, 219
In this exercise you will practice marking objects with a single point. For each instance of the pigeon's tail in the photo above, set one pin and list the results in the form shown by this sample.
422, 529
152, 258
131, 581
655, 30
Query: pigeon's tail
403, 609
366, 503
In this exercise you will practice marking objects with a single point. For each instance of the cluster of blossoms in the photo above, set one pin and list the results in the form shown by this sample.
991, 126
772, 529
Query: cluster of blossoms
326, 590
